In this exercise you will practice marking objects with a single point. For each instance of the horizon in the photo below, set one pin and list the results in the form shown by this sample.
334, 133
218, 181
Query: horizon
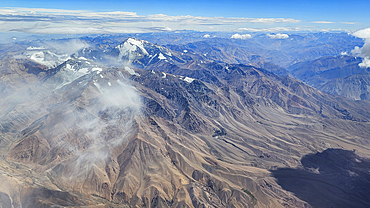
23, 18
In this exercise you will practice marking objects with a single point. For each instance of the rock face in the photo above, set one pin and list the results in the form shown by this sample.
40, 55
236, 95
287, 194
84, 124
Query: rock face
356, 87
175, 133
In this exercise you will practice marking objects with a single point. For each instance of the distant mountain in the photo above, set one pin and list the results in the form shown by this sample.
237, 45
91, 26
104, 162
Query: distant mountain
282, 52
273, 68
356, 87
156, 127
319, 71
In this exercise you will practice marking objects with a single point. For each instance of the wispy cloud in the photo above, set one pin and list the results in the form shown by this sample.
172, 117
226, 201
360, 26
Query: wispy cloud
56, 21
323, 22
271, 29
293, 29
349, 23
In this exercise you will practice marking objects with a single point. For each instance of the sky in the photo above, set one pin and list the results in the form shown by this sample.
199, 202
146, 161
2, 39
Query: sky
121, 16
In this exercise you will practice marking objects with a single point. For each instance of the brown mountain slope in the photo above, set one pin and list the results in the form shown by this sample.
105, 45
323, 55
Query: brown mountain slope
168, 140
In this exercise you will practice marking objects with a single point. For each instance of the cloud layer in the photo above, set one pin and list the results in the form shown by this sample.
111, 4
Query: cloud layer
56, 21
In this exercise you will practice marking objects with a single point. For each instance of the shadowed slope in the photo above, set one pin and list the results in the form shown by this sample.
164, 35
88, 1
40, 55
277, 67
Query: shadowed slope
332, 178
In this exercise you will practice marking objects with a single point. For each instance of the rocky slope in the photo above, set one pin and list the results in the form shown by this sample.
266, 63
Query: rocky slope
356, 87
176, 133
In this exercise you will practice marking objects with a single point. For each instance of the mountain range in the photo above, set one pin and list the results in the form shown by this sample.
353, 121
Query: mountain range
137, 124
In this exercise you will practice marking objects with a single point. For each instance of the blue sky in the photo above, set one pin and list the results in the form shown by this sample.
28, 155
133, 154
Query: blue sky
244, 16
339, 10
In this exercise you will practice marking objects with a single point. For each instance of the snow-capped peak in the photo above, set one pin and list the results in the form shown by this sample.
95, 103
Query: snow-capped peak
131, 45
131, 49
73, 69
46, 57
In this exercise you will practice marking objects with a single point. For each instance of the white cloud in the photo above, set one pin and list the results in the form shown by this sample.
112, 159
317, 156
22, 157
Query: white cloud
278, 36
238, 36
206, 36
365, 33
365, 63
364, 51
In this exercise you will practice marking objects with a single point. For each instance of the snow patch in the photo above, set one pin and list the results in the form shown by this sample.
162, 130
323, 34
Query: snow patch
69, 67
36, 48
161, 56
97, 69
47, 58
83, 70
129, 49
69, 74
164, 75
185, 51
138, 44
109, 84
187, 79
131, 71
97, 85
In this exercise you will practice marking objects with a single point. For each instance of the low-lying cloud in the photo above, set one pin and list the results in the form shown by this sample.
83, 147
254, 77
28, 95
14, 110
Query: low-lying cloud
287, 29
364, 51
53, 53
271, 29
243, 37
278, 36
